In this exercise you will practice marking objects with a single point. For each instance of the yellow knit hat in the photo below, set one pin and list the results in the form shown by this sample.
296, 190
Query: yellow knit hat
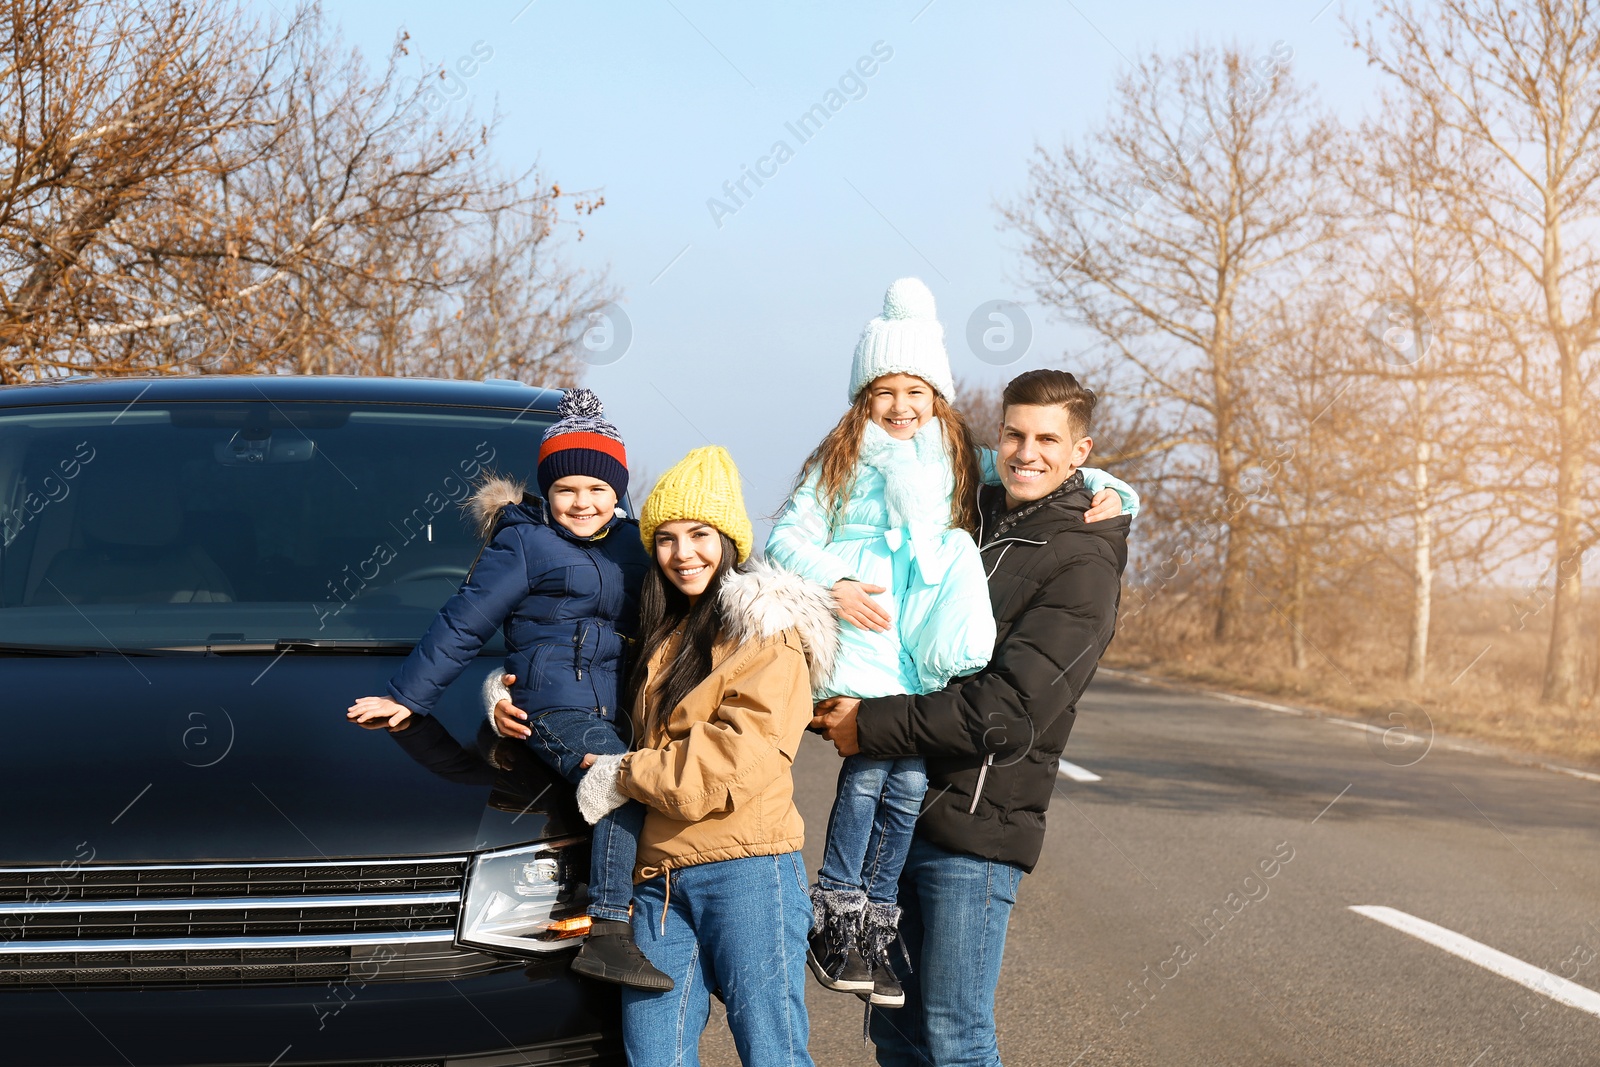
704, 486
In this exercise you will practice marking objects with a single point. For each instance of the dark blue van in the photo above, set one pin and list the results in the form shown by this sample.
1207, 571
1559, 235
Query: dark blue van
201, 861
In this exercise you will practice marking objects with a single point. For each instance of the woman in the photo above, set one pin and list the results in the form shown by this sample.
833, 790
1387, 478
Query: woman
720, 694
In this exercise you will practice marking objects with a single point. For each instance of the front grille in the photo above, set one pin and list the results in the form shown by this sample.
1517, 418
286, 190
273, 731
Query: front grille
29, 884
204, 924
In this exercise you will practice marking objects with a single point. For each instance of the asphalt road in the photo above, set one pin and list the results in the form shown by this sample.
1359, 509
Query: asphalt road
1127, 948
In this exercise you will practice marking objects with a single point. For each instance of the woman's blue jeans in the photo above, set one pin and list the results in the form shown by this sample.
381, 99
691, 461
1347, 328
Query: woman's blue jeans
562, 737
954, 913
736, 925
869, 830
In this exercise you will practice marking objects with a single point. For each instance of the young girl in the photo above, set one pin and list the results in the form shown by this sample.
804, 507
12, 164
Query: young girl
560, 578
886, 505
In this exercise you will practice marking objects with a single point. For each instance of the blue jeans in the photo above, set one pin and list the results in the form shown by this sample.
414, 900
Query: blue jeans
735, 925
869, 829
562, 737
954, 913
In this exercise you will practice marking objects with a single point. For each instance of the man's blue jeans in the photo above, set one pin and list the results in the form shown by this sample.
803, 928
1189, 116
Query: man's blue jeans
737, 925
562, 737
869, 829
954, 913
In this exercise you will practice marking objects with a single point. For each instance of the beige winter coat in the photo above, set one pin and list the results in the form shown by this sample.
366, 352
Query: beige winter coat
717, 774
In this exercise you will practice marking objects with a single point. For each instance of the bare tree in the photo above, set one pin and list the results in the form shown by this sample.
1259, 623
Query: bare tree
1405, 270
1511, 89
191, 189
1171, 233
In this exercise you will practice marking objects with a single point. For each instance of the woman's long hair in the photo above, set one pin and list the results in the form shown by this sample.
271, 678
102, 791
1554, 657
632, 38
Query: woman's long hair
836, 457
663, 609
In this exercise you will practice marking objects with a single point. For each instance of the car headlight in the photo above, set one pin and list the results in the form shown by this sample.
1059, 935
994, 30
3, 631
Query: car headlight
527, 900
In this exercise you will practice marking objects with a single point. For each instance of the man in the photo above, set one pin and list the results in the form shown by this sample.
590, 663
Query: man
992, 739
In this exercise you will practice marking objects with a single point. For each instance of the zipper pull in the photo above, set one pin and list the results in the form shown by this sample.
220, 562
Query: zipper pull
983, 772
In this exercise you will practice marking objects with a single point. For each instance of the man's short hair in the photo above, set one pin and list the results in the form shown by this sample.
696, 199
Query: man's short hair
1046, 387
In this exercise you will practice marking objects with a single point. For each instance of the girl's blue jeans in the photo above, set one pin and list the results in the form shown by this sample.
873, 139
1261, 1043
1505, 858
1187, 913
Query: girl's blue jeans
562, 737
869, 830
736, 925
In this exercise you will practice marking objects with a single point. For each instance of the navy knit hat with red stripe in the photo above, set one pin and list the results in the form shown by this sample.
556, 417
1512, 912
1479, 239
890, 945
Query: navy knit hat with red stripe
582, 443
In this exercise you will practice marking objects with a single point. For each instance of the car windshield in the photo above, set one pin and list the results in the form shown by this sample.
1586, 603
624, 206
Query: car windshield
193, 525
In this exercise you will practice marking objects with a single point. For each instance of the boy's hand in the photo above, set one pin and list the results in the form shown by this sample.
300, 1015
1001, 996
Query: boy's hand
852, 604
508, 718
1107, 505
378, 713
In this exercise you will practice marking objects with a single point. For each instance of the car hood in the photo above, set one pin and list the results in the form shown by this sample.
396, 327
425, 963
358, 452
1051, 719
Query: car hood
200, 757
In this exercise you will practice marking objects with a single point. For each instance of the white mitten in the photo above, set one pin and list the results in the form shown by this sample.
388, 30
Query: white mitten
598, 794
494, 691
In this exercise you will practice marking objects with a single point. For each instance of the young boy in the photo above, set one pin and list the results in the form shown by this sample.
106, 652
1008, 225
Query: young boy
560, 578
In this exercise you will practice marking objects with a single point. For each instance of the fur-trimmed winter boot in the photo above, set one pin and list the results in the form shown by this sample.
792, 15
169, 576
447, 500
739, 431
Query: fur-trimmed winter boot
880, 929
834, 955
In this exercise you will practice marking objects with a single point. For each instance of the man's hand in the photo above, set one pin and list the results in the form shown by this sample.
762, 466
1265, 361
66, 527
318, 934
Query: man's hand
836, 718
508, 718
852, 604
1107, 505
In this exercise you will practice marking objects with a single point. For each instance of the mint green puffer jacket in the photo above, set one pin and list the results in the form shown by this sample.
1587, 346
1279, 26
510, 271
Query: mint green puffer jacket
894, 532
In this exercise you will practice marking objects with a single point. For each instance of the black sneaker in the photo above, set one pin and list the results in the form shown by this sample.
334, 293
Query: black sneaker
886, 990
880, 929
610, 955
837, 962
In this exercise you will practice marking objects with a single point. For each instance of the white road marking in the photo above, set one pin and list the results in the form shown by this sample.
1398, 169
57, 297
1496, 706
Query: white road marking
1076, 773
1553, 986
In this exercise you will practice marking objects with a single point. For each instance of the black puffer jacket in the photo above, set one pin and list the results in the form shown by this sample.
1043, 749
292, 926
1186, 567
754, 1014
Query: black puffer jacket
992, 739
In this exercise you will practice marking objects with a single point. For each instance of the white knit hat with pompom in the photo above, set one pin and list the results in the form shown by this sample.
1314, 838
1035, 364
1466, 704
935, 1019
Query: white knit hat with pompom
905, 339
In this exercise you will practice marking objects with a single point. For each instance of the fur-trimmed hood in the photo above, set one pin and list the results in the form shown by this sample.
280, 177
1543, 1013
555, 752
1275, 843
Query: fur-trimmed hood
493, 495
763, 600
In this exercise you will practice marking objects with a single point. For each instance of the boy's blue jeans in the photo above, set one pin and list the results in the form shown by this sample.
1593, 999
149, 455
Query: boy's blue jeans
737, 925
869, 830
954, 913
562, 737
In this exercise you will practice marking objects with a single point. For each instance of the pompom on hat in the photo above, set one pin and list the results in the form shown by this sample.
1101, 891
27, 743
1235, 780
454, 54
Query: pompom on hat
703, 486
582, 443
906, 339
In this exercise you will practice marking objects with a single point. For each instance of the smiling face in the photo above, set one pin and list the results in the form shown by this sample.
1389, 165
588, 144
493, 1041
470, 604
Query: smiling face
688, 552
900, 403
1039, 449
582, 504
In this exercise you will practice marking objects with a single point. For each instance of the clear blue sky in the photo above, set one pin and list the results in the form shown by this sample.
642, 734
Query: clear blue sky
742, 333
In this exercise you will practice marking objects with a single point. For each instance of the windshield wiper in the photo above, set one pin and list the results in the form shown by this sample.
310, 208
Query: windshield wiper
381, 646
341, 646
15, 648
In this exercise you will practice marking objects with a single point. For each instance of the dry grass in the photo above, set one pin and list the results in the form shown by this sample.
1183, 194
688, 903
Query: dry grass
1484, 679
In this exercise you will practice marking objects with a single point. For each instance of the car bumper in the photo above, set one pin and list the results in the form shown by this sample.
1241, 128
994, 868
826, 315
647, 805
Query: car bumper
539, 1015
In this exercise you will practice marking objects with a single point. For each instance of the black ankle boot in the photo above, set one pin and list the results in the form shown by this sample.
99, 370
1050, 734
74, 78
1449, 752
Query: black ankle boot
834, 955
880, 929
610, 955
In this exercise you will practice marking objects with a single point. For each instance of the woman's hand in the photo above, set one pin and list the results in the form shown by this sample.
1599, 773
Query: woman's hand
509, 719
1106, 505
852, 604
379, 713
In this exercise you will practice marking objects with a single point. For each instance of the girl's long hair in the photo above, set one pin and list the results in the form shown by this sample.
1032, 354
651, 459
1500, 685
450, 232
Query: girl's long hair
663, 609
836, 457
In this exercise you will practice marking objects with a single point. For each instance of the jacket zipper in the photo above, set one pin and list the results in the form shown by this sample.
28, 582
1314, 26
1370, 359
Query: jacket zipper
577, 653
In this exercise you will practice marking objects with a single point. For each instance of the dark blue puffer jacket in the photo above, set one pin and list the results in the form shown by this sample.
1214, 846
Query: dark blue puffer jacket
568, 607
